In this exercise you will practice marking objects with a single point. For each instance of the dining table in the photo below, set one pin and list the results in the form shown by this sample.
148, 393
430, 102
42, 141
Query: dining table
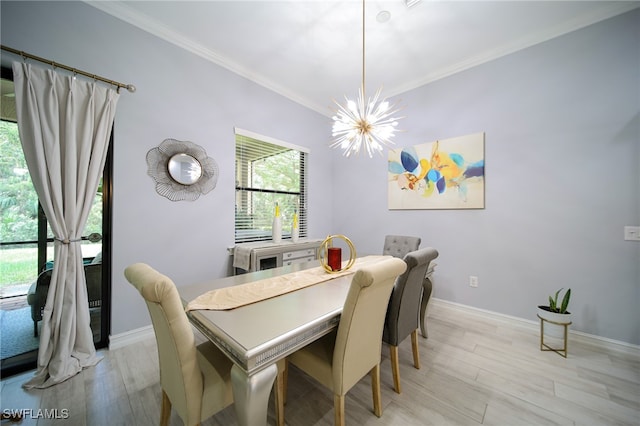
255, 336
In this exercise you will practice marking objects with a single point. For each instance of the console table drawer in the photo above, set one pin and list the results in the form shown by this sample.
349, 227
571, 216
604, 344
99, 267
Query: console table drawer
298, 253
299, 260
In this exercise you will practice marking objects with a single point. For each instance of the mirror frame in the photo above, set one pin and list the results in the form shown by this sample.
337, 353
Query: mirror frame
171, 185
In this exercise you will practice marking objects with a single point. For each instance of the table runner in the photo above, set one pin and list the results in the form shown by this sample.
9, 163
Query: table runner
240, 295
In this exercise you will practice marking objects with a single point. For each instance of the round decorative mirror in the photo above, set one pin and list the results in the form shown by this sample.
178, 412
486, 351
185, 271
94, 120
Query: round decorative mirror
182, 170
185, 169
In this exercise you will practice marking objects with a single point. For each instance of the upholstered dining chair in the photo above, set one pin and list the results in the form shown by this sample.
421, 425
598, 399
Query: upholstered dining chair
404, 308
400, 245
340, 359
195, 380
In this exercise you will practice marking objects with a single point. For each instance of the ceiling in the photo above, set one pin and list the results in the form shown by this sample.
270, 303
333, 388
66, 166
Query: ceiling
311, 51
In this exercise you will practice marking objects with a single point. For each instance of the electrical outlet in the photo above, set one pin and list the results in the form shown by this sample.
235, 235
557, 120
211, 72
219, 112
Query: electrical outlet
473, 281
632, 233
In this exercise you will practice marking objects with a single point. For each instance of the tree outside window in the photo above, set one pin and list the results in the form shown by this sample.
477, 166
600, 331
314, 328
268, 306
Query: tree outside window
268, 173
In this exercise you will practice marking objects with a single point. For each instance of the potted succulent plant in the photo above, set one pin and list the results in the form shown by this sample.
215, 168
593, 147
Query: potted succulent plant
556, 314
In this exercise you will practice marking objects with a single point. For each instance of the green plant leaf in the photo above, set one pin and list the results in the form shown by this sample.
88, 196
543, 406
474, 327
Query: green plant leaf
565, 302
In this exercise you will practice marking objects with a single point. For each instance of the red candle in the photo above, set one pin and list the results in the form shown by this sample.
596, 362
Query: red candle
334, 258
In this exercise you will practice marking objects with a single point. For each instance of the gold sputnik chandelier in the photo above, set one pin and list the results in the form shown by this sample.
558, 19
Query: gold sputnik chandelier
365, 123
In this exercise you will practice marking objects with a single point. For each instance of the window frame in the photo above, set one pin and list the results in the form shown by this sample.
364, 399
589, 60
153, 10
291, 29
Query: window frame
245, 189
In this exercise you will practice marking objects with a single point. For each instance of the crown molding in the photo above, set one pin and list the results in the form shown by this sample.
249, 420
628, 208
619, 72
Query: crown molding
520, 44
121, 11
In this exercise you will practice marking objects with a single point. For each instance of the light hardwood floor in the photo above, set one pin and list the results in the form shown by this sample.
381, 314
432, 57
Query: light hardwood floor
475, 370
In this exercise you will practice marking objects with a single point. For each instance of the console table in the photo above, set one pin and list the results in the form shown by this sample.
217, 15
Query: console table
261, 255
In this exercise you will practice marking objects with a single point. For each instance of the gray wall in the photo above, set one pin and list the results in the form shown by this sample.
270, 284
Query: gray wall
562, 178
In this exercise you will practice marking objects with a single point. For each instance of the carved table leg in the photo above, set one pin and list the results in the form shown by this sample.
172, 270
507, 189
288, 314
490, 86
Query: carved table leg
251, 394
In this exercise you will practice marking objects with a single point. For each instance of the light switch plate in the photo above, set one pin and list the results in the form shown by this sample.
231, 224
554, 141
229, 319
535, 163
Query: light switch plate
632, 233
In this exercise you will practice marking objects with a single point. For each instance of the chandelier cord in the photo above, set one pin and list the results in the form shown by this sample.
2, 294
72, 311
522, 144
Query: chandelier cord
364, 123
363, 50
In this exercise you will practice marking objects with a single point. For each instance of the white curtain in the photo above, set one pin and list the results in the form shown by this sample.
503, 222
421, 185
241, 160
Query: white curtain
65, 125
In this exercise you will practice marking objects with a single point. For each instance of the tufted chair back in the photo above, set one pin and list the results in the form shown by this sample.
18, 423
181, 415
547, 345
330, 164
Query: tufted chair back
400, 245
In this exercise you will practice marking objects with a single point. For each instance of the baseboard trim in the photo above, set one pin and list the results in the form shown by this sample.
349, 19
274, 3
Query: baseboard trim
117, 341
590, 339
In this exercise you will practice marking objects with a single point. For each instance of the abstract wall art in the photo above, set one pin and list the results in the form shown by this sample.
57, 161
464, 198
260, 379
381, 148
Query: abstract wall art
445, 174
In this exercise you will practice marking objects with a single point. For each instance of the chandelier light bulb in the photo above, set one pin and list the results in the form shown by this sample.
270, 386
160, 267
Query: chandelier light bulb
372, 126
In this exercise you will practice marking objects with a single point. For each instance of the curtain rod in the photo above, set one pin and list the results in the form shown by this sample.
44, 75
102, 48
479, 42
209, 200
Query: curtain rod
130, 87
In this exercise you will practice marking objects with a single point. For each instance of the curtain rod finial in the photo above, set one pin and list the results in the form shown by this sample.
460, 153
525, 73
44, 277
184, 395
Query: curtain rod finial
131, 88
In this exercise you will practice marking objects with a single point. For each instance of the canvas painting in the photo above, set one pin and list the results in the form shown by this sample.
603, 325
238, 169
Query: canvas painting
445, 174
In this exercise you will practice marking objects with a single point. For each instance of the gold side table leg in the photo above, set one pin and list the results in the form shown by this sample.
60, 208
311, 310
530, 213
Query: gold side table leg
544, 347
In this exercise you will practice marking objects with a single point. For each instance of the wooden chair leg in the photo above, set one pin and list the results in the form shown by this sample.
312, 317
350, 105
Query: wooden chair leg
279, 387
375, 390
395, 368
283, 371
338, 408
286, 380
165, 411
414, 346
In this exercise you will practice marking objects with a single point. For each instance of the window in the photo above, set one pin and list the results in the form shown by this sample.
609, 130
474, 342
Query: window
268, 171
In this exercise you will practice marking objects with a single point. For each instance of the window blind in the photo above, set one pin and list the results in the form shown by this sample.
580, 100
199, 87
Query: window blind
268, 172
